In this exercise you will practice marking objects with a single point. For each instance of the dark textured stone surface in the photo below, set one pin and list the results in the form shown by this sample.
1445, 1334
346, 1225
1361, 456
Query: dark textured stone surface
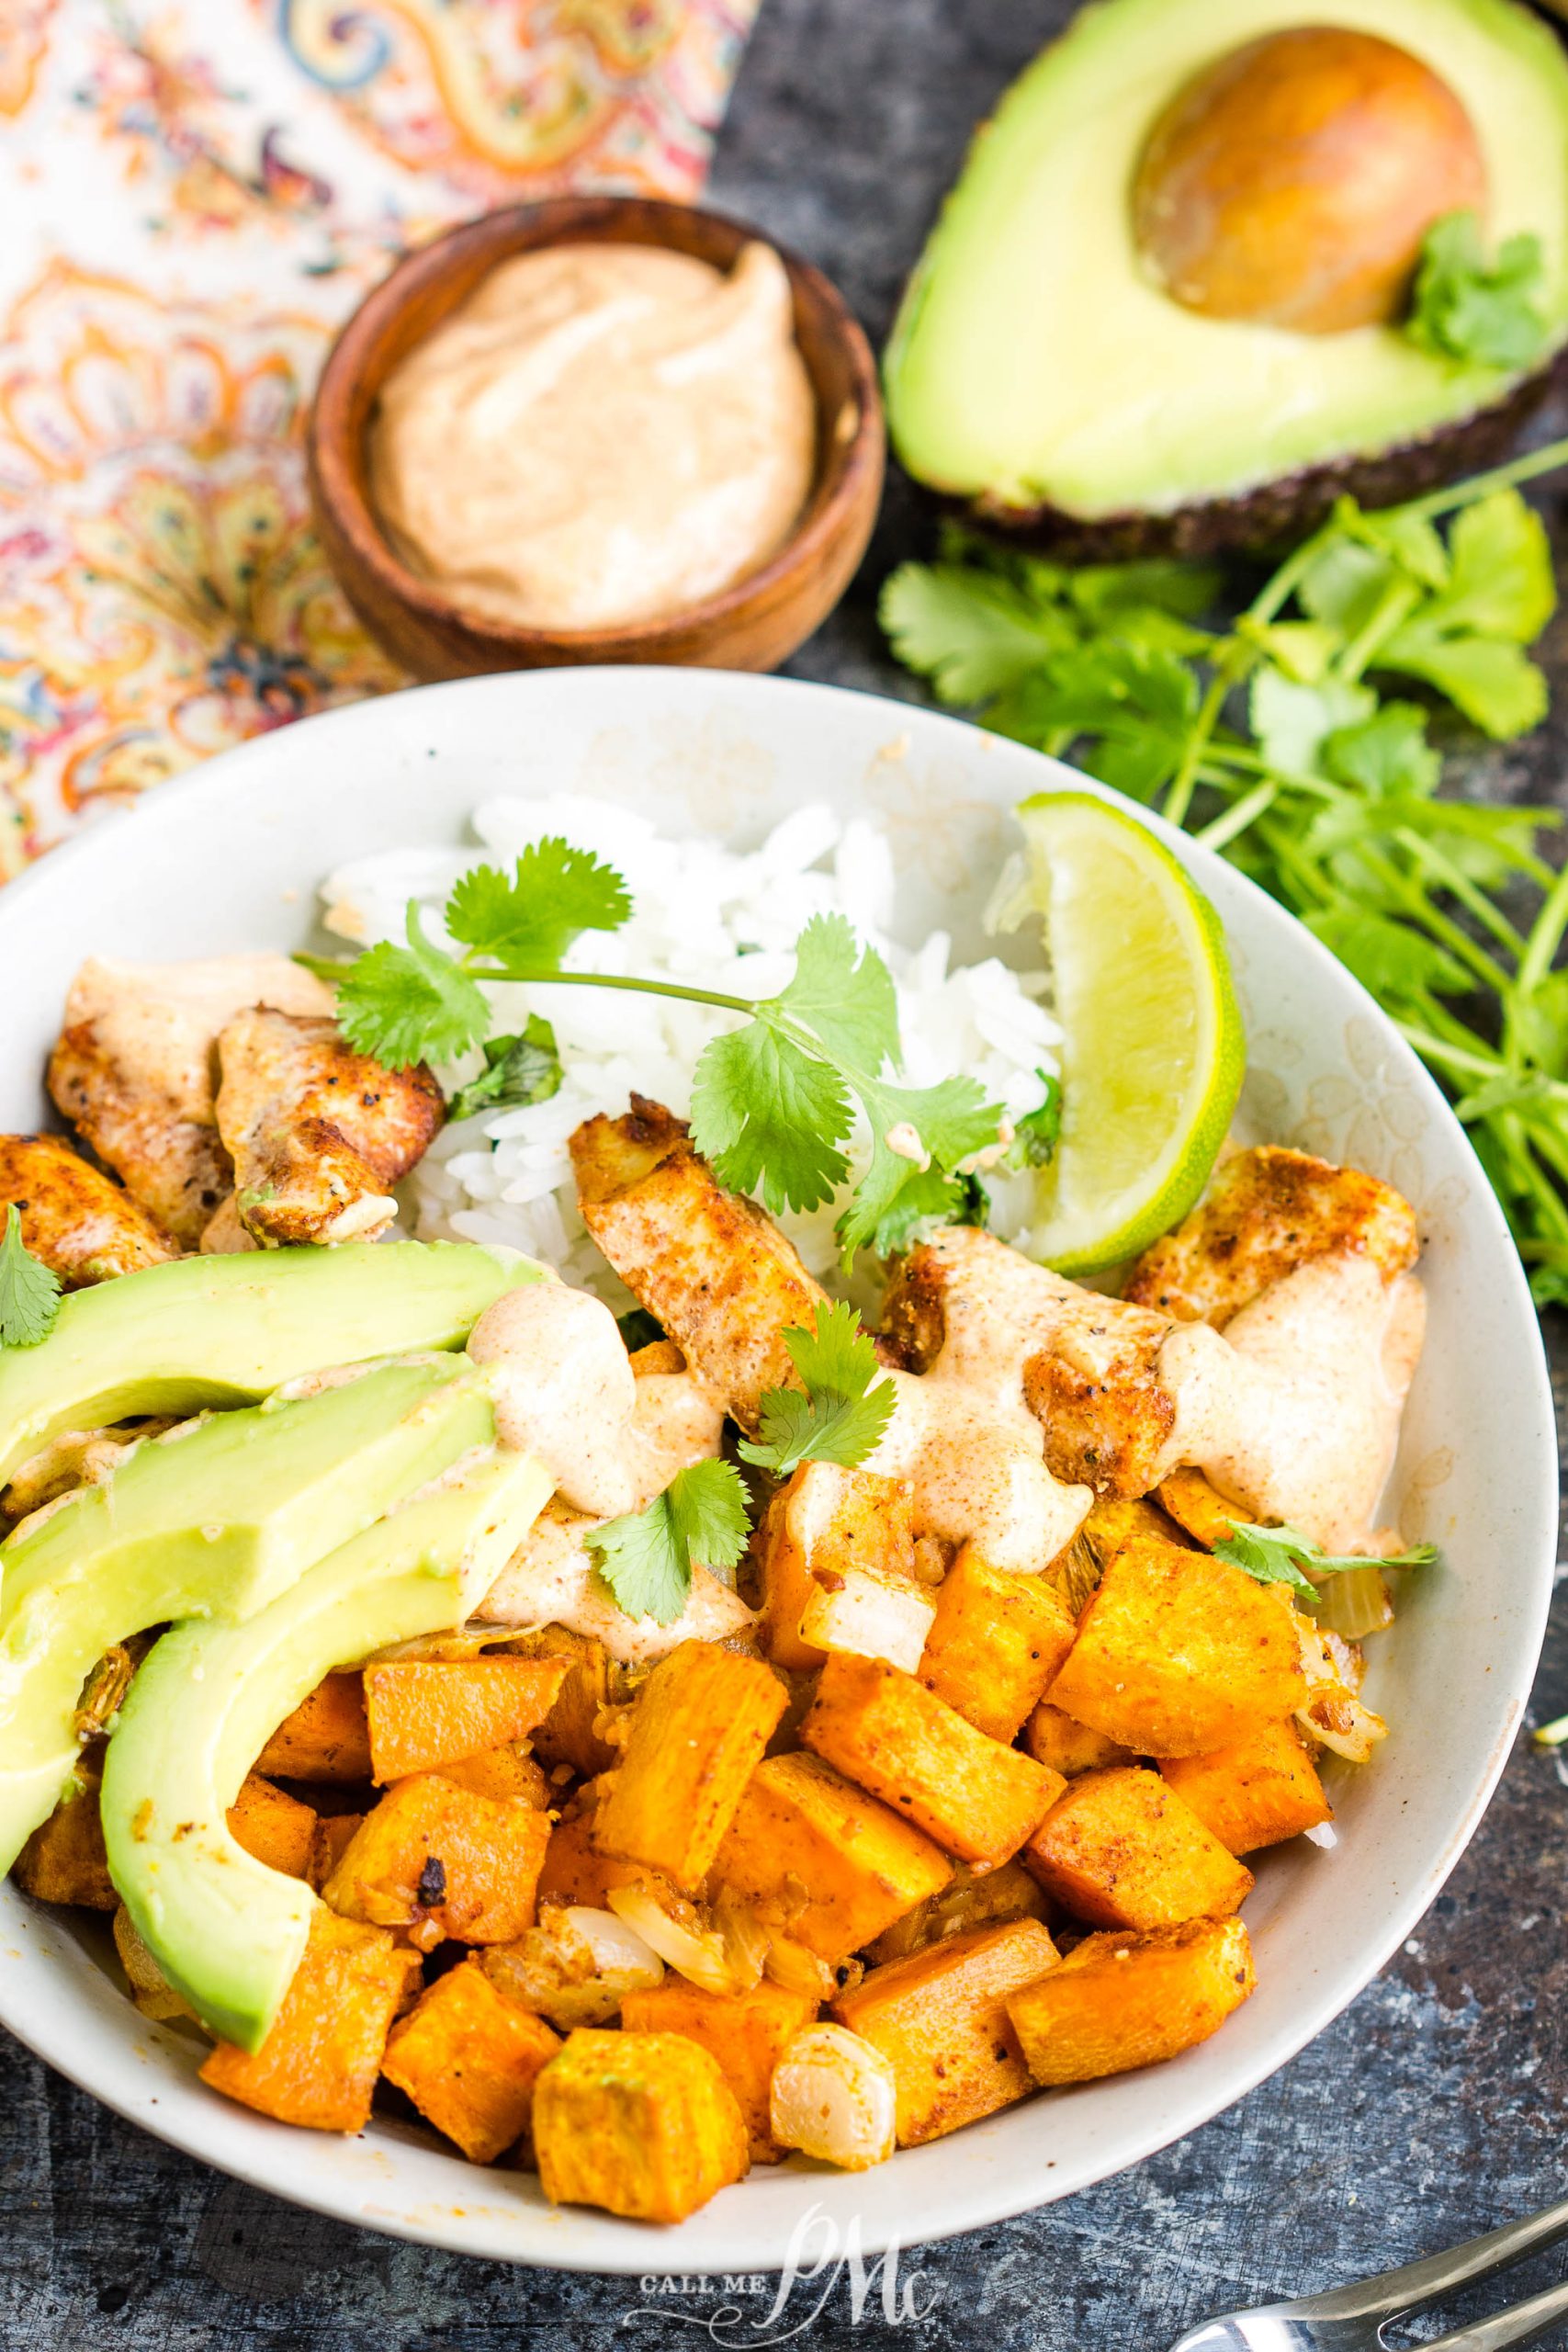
1432, 2109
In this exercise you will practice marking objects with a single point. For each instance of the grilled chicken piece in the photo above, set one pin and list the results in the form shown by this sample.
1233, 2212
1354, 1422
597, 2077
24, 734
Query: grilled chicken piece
74, 1217
715, 1271
1268, 1212
318, 1134
135, 1071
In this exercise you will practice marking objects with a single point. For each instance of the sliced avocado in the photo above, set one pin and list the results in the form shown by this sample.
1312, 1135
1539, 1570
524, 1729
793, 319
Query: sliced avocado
1040, 372
202, 1332
214, 1520
226, 1931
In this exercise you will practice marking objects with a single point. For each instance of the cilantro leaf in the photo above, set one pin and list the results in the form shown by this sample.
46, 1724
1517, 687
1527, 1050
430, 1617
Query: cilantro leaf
409, 1004
1386, 753
555, 893
839, 1415
970, 632
1479, 312
768, 1116
918, 1133
1293, 722
518, 1070
30, 1291
851, 1005
1467, 637
646, 1557
1274, 1556
1037, 1134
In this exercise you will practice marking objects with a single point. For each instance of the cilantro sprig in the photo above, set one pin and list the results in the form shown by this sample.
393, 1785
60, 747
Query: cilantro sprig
30, 1291
774, 1102
1290, 739
1473, 311
518, 1070
841, 1412
646, 1557
1282, 1555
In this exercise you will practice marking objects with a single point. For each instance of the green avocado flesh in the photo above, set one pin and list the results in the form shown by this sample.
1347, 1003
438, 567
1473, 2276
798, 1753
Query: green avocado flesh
214, 1520
1035, 364
208, 1332
226, 1931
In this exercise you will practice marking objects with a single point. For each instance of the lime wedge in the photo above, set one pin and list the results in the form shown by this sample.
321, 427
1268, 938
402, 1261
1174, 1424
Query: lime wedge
1154, 1052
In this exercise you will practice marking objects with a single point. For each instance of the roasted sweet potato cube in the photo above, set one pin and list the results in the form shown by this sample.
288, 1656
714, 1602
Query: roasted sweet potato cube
329, 1843
938, 2018
424, 1714
274, 1827
576, 1871
64, 1860
1198, 1508
1179, 1653
746, 2032
468, 2058
824, 1524
441, 1861
1121, 1849
996, 1643
326, 1737
976, 1797
319, 2064
971, 1899
698, 1728
642, 2123
1120, 2001
502, 1772
1069, 1748
150, 1988
568, 1735
1258, 1791
824, 1863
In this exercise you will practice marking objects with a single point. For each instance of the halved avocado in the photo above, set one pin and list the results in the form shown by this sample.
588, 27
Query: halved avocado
1043, 373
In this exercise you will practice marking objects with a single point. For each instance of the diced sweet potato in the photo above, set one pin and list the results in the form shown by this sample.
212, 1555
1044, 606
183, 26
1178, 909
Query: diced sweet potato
318, 2066
1120, 2001
326, 1737
824, 1863
976, 1797
441, 1861
698, 1728
746, 2032
938, 2018
1069, 1748
150, 1988
1258, 1791
1179, 1653
423, 1716
643, 2124
576, 1871
996, 1643
329, 1843
971, 1899
824, 1524
64, 1860
502, 1772
1198, 1508
1121, 1849
568, 1735
468, 2058
274, 1827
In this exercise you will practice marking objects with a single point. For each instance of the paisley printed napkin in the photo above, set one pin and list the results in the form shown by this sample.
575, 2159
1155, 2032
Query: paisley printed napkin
195, 193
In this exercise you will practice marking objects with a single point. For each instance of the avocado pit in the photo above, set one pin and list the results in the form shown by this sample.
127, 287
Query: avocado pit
1292, 181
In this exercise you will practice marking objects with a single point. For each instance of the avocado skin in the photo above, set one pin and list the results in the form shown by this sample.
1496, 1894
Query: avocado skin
1276, 512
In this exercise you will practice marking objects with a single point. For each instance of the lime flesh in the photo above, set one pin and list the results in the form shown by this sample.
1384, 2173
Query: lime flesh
1154, 1051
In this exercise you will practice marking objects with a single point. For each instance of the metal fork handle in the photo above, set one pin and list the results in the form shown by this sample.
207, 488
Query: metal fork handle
1516, 2326
1419, 2283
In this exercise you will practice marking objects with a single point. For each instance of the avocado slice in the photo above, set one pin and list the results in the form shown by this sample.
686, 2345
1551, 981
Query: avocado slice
216, 1518
203, 1331
225, 1930
1040, 374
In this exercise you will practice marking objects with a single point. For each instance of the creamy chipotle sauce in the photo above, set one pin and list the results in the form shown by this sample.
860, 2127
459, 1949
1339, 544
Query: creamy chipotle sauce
600, 434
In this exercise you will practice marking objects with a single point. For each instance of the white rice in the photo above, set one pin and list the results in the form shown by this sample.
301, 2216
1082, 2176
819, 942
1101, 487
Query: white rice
708, 917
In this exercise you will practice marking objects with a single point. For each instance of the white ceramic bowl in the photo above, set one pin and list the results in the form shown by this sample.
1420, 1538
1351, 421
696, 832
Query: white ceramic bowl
228, 858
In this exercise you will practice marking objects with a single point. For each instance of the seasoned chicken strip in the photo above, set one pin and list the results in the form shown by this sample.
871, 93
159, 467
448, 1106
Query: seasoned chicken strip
1266, 1213
74, 1217
135, 1071
713, 1268
318, 1134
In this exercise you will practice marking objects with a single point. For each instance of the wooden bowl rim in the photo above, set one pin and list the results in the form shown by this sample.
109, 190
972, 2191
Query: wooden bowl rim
831, 509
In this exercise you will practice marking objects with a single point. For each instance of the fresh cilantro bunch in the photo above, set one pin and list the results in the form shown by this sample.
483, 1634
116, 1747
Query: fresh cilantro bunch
841, 1411
1290, 739
1277, 1554
1476, 312
772, 1101
30, 1291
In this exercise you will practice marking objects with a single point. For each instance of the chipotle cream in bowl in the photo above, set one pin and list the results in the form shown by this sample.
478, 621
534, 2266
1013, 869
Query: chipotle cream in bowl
600, 434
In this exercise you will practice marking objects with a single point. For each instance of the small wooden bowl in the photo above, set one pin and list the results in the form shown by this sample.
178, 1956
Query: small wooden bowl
752, 626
